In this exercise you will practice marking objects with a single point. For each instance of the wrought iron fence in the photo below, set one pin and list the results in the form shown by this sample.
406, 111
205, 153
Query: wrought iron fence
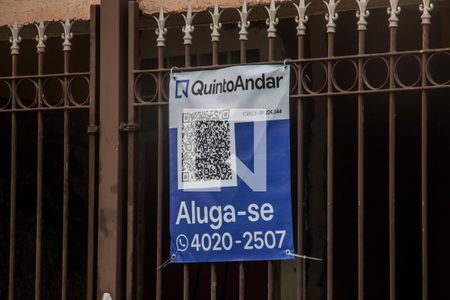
37, 96
314, 79
359, 82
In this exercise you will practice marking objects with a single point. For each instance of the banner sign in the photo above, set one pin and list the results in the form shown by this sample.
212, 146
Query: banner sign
230, 191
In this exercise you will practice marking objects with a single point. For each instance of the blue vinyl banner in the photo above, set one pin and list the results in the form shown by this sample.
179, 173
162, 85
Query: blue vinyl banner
230, 182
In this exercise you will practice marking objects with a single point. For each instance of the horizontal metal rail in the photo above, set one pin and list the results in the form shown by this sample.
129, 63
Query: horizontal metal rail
303, 60
44, 76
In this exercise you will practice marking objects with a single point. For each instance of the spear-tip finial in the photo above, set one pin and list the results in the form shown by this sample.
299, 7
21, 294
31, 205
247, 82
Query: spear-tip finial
393, 12
272, 21
67, 34
188, 28
161, 30
331, 15
15, 39
215, 25
362, 13
244, 23
426, 7
301, 17
41, 37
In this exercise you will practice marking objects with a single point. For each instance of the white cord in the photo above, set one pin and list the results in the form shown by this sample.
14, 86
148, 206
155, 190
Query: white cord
167, 262
289, 253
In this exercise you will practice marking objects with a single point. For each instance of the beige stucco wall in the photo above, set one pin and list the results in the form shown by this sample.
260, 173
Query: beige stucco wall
150, 6
28, 11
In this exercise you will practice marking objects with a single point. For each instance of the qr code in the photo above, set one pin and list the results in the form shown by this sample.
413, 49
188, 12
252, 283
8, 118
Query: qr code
207, 144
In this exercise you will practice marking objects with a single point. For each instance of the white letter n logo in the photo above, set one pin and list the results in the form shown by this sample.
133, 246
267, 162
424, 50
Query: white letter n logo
256, 180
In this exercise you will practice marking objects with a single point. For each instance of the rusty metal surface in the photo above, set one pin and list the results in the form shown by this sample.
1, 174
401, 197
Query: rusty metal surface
40, 136
12, 242
112, 150
301, 32
133, 14
93, 153
426, 8
392, 154
362, 27
330, 174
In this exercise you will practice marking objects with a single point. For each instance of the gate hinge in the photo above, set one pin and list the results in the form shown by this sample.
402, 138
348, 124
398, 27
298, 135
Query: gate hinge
93, 129
129, 127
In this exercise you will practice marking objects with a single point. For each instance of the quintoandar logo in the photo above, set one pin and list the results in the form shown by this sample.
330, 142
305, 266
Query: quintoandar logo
181, 89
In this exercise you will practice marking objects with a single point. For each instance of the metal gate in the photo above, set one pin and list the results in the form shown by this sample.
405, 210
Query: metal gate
369, 135
315, 79
53, 175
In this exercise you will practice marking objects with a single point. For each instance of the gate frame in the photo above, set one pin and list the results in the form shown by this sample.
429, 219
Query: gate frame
112, 149
116, 264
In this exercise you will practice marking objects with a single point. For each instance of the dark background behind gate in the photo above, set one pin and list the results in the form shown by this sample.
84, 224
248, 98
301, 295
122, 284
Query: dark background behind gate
149, 112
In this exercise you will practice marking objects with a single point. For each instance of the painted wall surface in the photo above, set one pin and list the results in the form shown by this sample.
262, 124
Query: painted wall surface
150, 6
29, 11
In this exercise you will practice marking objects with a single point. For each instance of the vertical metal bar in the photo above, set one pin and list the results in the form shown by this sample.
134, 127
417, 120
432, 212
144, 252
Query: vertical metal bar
93, 152
113, 96
243, 59
392, 148
187, 56
40, 136
270, 266
66, 176
271, 49
331, 17
241, 264
215, 53
187, 63
161, 44
426, 7
392, 110
160, 195
243, 51
213, 282
215, 38
361, 50
241, 281
187, 29
12, 228
330, 172
215, 62
133, 15
301, 19
300, 174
